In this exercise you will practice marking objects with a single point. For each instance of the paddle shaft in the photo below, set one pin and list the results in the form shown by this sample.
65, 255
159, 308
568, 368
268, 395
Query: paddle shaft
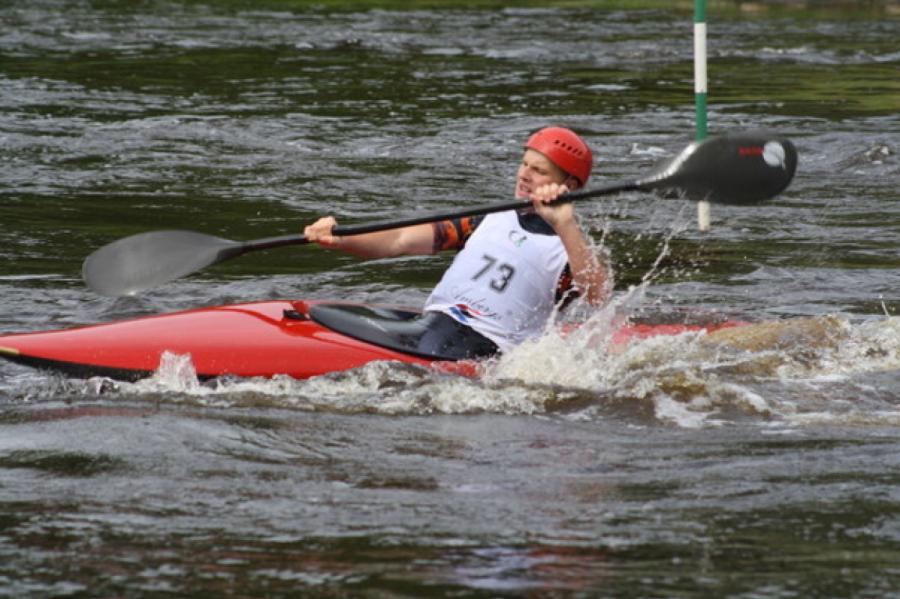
738, 169
428, 217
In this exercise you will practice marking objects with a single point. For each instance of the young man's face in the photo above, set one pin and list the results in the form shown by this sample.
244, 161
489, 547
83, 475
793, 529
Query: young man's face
536, 170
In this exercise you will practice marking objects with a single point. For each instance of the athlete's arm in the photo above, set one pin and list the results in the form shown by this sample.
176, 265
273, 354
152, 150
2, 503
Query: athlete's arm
591, 276
415, 239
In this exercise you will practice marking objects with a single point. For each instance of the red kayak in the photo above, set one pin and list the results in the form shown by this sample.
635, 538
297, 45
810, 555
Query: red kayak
300, 339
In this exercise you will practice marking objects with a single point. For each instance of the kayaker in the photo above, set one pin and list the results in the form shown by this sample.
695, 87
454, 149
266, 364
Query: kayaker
514, 268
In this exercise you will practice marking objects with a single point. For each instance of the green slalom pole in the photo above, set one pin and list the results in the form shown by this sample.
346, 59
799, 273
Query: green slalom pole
703, 218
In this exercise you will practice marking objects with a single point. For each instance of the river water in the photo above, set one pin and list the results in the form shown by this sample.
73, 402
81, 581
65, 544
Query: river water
767, 467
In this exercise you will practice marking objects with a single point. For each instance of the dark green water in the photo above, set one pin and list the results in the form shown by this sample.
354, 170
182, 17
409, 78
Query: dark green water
666, 471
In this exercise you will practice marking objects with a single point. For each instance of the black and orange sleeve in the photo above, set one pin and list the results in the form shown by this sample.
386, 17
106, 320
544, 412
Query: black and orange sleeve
453, 234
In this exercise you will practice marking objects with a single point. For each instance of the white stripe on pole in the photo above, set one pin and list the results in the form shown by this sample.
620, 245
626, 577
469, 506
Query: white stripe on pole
700, 88
700, 58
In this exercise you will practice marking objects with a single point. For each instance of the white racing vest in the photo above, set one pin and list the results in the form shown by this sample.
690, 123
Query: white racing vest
503, 283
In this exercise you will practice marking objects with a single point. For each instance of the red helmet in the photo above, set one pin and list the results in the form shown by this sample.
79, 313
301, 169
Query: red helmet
564, 149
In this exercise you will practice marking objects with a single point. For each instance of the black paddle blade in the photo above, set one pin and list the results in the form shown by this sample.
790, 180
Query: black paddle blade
739, 169
146, 260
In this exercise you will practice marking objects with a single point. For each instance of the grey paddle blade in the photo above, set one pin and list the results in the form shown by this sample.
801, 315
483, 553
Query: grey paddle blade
739, 169
146, 260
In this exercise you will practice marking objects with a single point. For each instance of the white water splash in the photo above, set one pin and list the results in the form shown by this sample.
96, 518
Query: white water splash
175, 373
682, 380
